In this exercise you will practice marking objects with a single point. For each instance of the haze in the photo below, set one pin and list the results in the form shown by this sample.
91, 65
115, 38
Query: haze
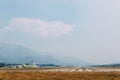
87, 30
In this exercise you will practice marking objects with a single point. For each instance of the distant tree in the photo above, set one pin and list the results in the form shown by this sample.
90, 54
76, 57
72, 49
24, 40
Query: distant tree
2, 64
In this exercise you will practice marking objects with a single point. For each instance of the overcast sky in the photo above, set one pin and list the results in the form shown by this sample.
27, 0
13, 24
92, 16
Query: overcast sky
85, 29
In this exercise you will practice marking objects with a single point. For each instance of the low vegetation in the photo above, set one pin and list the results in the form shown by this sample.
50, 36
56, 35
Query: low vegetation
108, 66
59, 76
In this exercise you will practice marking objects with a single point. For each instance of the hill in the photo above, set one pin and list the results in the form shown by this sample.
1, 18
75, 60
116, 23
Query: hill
15, 53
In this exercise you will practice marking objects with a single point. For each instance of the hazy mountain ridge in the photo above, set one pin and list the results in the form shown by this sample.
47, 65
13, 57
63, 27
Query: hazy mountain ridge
14, 53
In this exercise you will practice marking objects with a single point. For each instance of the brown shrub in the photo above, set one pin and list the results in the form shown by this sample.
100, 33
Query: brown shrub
59, 76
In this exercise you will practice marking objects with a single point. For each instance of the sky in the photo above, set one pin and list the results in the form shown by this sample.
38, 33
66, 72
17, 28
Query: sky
88, 30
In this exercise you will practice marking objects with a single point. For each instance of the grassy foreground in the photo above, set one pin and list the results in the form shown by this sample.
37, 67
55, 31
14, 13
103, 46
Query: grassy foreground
59, 76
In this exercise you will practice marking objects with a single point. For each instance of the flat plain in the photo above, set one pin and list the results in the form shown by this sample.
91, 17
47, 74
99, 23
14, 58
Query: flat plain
58, 74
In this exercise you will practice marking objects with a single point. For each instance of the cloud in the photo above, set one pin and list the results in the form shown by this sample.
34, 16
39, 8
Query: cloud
38, 27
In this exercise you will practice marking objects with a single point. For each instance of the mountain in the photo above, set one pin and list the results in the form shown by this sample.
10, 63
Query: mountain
15, 53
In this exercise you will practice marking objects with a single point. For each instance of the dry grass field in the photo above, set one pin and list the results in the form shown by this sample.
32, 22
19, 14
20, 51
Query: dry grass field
59, 76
